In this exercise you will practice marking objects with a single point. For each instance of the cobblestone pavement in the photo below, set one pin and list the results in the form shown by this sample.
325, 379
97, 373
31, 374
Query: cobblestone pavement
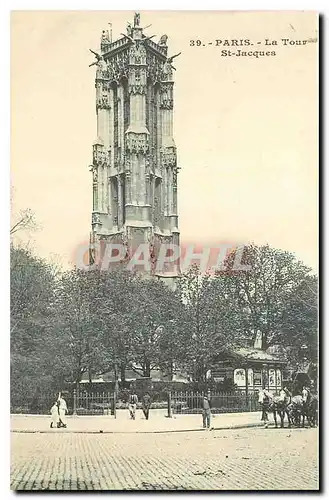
238, 459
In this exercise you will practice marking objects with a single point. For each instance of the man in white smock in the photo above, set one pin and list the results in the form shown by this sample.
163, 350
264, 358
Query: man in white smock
62, 409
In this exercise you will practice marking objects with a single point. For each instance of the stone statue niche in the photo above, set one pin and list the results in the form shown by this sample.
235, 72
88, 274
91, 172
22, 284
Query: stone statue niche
258, 340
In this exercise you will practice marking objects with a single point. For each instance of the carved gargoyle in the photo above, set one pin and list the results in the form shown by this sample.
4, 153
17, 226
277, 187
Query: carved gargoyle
99, 61
98, 57
167, 67
170, 59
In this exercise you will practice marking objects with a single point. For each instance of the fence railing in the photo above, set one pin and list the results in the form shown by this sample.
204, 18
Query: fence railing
220, 402
93, 403
102, 403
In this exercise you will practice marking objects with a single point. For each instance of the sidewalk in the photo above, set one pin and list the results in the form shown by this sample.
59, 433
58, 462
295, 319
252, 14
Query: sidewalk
158, 423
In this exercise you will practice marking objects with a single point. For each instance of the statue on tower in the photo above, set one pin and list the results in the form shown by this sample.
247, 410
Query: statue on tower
129, 29
163, 40
137, 19
105, 36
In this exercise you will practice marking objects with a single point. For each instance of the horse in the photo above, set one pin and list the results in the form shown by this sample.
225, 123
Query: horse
298, 409
279, 405
313, 410
276, 405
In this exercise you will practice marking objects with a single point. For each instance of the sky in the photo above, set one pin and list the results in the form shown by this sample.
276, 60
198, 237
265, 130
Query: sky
246, 128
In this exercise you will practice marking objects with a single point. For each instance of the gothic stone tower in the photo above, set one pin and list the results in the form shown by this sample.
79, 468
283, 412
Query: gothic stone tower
134, 157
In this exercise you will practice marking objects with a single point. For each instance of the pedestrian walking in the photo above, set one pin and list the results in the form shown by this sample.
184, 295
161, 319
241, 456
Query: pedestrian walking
62, 410
133, 400
146, 405
265, 399
206, 413
54, 415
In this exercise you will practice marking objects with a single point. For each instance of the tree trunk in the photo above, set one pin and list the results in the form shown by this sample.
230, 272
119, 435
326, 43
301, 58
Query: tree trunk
200, 372
147, 369
171, 372
78, 376
123, 372
116, 382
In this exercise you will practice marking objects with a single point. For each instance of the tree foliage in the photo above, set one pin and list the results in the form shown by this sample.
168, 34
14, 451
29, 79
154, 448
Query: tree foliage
276, 296
64, 325
32, 292
203, 315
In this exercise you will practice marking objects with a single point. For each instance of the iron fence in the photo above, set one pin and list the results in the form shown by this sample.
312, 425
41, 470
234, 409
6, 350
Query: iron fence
175, 402
93, 403
220, 402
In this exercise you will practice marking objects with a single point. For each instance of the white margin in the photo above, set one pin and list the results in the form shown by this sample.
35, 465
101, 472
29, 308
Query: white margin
320, 6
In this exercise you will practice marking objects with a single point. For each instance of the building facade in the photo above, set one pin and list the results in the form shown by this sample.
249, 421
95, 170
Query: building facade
252, 368
134, 166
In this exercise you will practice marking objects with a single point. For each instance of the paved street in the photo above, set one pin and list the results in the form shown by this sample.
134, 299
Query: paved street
252, 458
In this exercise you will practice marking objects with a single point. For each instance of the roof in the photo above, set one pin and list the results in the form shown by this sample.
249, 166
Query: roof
130, 376
258, 355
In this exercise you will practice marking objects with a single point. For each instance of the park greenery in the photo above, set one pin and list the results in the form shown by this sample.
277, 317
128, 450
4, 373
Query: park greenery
66, 324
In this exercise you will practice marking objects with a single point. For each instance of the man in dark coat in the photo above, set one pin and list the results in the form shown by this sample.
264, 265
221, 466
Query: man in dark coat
206, 413
265, 399
146, 403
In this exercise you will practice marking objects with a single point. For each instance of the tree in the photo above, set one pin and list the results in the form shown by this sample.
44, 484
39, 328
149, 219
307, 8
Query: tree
32, 288
31, 297
114, 303
76, 338
24, 220
300, 320
175, 336
276, 296
154, 327
134, 316
203, 319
